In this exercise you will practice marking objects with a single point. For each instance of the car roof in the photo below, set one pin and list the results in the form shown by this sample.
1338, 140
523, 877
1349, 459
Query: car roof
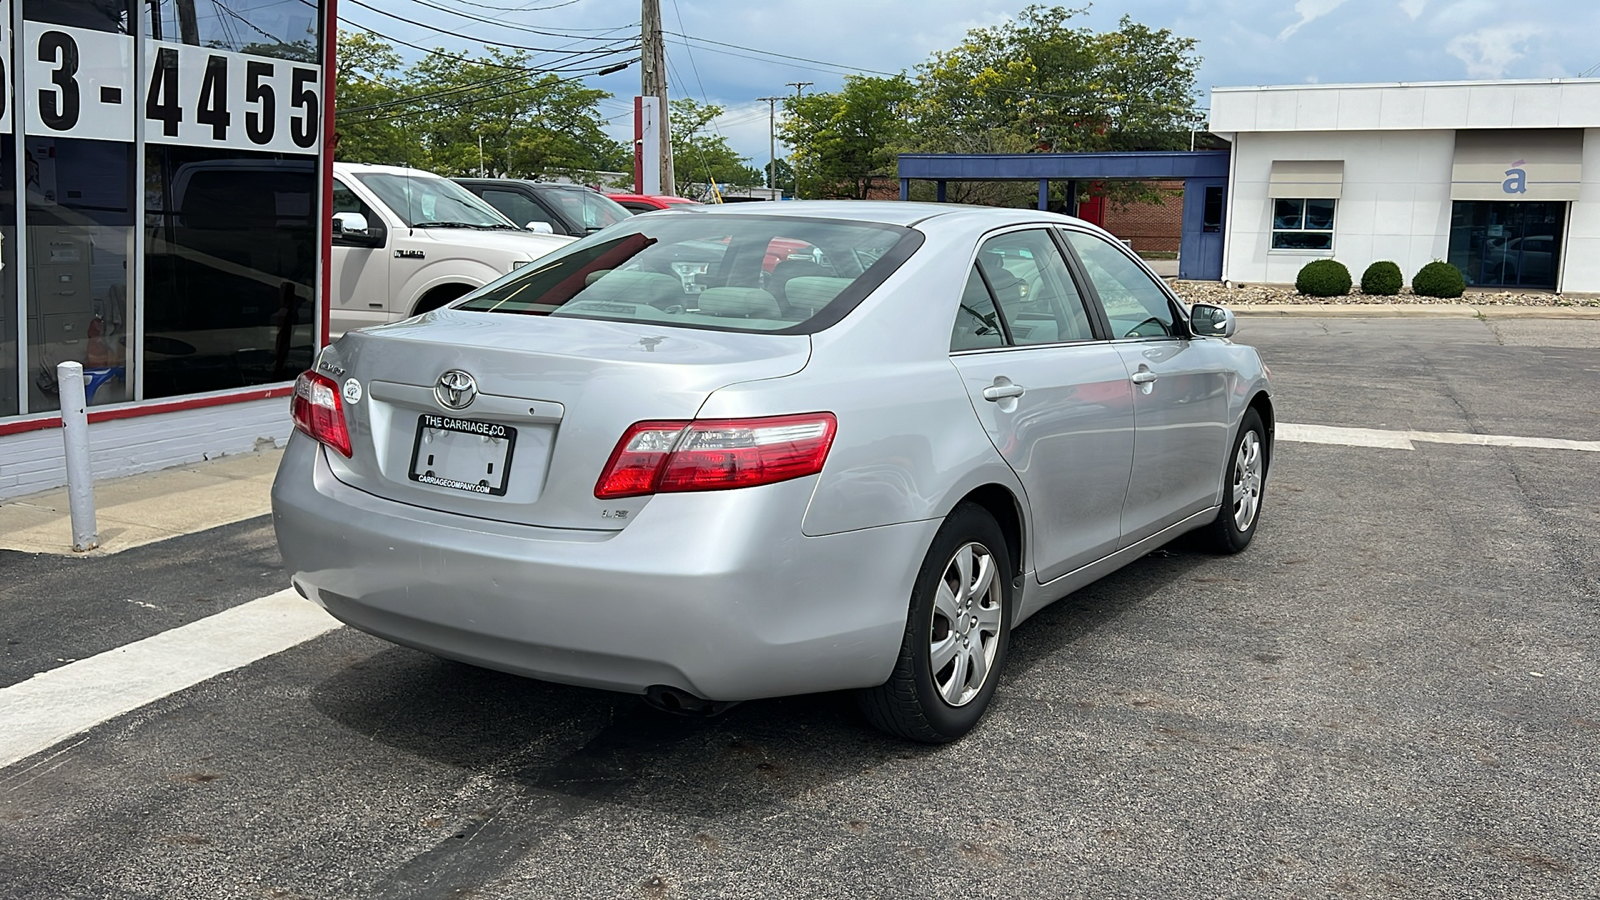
353, 168
886, 212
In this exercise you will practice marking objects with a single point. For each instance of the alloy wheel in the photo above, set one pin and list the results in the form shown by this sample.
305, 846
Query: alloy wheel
1247, 481
965, 630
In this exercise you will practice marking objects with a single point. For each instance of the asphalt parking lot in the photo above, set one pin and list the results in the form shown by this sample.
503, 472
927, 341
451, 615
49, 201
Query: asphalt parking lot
1393, 693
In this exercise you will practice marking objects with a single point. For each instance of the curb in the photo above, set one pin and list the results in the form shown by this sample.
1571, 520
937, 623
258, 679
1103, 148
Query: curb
1414, 310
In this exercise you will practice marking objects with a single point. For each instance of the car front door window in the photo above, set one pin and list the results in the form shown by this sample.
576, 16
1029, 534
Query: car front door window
1135, 304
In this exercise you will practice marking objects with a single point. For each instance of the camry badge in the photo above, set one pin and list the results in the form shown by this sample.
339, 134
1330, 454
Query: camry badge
455, 390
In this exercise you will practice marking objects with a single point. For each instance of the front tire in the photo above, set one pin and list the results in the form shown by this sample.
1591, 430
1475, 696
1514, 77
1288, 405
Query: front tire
957, 633
1243, 481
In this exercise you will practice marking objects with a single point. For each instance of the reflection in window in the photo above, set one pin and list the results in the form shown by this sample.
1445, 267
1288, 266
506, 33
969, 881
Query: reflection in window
1302, 224
8, 276
428, 201
977, 324
230, 266
95, 15
1135, 304
1031, 285
286, 29
80, 211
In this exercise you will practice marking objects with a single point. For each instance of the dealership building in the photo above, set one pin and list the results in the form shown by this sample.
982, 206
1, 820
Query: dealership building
1500, 178
162, 179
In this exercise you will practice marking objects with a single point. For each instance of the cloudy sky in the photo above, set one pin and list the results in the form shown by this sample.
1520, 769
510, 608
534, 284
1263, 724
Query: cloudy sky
1242, 42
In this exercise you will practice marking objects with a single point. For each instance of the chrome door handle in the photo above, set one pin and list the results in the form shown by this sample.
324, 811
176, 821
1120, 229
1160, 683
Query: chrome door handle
1144, 377
997, 392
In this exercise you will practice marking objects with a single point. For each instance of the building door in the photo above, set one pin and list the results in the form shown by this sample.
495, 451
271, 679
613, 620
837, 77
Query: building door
1200, 251
1500, 244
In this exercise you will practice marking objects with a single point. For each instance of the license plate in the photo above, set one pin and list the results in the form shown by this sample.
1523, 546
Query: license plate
463, 454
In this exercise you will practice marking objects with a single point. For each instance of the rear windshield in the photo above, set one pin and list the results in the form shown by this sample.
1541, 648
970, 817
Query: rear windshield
725, 272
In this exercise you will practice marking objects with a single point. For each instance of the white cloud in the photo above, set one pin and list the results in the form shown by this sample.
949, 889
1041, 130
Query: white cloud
1489, 52
1309, 10
1413, 8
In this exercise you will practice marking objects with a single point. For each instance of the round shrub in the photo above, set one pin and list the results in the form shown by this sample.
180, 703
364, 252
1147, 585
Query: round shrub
1323, 278
1439, 279
1381, 279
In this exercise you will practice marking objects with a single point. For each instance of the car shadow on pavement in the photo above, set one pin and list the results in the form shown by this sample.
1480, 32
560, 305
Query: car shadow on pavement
1085, 611
600, 747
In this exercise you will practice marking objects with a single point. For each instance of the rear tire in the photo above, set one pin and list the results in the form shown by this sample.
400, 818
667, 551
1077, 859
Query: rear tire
1243, 481
957, 633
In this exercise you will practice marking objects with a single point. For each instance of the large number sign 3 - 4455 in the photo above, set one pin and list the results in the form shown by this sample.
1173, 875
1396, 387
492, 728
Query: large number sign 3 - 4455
197, 96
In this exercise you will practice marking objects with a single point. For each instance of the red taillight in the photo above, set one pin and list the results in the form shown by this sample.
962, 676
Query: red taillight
316, 410
715, 454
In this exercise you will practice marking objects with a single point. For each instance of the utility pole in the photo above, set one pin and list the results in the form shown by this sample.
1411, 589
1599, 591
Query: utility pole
798, 86
653, 82
772, 140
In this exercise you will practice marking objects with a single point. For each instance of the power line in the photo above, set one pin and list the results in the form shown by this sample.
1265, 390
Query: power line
476, 85
458, 104
778, 55
432, 28
477, 18
519, 8
460, 58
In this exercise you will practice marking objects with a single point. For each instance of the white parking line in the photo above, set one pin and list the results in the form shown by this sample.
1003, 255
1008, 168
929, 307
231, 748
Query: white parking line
1403, 440
55, 705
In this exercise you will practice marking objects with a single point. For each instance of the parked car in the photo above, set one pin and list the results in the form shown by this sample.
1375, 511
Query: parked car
569, 209
640, 203
406, 241
1521, 260
864, 478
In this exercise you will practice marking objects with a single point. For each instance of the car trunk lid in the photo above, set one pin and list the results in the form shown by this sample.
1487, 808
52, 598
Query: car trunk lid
550, 397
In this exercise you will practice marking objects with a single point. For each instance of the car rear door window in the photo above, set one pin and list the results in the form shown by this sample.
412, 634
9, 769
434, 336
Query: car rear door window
977, 324
1028, 278
1135, 304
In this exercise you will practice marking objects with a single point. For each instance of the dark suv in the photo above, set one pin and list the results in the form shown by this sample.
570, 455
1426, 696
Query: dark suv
570, 209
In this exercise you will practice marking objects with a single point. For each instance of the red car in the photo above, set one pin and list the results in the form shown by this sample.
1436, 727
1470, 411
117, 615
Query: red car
639, 203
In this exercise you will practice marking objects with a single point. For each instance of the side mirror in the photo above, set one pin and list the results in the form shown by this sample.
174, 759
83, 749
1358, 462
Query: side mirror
1207, 320
348, 223
541, 228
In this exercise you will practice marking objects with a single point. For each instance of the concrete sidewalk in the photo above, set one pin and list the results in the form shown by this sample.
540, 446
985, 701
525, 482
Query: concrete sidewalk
143, 509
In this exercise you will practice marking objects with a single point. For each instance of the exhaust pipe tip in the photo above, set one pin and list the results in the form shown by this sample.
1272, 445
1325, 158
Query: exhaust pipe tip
680, 702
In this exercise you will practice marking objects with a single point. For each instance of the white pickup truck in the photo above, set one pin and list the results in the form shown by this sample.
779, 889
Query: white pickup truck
407, 241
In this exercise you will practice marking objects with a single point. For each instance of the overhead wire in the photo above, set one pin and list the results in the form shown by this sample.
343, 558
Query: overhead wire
469, 102
477, 18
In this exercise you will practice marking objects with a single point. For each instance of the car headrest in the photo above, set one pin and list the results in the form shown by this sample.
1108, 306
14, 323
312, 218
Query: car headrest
633, 287
809, 293
735, 302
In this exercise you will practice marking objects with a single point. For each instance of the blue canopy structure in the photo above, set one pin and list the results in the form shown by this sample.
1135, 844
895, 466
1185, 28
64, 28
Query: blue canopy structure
1204, 174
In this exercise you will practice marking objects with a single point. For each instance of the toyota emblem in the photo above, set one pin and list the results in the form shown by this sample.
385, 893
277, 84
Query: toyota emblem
455, 390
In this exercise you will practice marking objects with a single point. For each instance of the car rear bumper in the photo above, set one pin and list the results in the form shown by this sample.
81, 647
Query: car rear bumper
718, 594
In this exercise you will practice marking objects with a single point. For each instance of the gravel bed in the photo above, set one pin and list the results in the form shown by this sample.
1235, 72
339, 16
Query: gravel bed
1261, 294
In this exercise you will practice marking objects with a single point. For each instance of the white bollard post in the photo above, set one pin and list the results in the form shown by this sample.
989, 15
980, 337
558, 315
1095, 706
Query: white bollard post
75, 435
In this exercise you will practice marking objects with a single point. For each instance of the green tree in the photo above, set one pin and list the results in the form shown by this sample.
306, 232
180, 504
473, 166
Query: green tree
433, 114
531, 124
845, 141
368, 82
1061, 88
701, 156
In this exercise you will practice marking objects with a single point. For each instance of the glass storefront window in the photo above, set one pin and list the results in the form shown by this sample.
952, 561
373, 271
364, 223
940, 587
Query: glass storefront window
1502, 244
230, 268
214, 285
78, 195
286, 29
8, 276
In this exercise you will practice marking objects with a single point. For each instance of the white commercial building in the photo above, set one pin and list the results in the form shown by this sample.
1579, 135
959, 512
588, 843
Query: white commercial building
1500, 178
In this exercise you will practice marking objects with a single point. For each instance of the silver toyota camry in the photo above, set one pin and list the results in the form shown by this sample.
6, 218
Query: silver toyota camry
729, 453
